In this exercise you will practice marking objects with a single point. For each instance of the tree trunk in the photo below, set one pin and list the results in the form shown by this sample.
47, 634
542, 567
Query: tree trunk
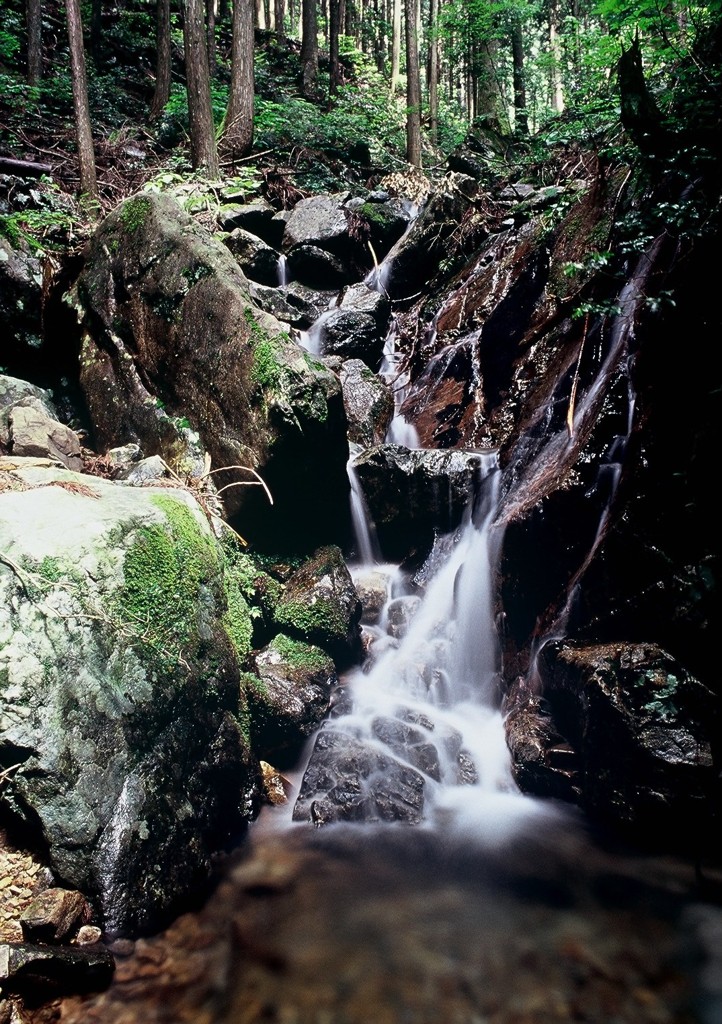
521, 120
396, 47
238, 135
35, 41
163, 59
279, 8
555, 70
434, 71
84, 134
309, 50
211, 37
335, 19
413, 87
200, 114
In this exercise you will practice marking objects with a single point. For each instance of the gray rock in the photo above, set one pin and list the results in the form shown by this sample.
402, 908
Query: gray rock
259, 218
118, 663
352, 335
363, 299
145, 471
34, 433
319, 221
13, 391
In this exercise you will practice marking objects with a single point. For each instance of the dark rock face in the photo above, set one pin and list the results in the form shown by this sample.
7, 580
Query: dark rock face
349, 781
54, 970
317, 268
412, 493
258, 218
352, 335
635, 730
172, 336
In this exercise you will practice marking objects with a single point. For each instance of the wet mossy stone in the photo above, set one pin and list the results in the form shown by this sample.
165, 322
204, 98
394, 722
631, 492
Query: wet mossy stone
119, 696
320, 606
175, 350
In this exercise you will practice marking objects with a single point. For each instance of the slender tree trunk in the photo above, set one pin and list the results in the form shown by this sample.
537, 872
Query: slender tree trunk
413, 87
211, 37
309, 49
335, 20
434, 71
279, 8
238, 134
200, 114
396, 47
521, 120
84, 134
163, 59
555, 50
34, 23
267, 14
260, 15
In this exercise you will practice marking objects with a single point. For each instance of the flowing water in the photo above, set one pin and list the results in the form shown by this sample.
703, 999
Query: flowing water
492, 907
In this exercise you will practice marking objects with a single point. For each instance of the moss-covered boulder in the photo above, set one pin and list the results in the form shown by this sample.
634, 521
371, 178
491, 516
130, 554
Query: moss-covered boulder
320, 606
121, 724
174, 348
288, 696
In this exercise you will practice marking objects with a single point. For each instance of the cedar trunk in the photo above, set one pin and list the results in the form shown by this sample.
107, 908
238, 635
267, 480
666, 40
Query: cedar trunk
84, 134
309, 49
413, 87
163, 59
35, 41
238, 135
198, 84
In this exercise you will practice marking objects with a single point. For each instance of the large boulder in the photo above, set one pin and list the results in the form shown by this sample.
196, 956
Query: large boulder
121, 630
369, 403
627, 731
172, 343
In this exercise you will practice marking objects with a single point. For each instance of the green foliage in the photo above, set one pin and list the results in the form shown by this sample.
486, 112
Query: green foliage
39, 230
173, 124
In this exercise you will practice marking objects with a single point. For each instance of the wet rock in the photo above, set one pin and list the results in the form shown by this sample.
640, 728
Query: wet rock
257, 260
21, 303
368, 402
191, 365
413, 493
408, 743
346, 780
401, 612
363, 299
372, 588
54, 969
34, 433
317, 268
54, 915
120, 665
383, 222
291, 697
636, 701
320, 606
352, 335
274, 786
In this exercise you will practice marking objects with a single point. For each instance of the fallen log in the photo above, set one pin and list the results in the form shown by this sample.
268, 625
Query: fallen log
10, 166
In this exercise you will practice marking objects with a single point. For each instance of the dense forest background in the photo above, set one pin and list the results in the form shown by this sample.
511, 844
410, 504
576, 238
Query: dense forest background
298, 96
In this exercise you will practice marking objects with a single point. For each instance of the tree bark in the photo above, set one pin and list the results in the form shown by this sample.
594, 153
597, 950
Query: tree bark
335, 19
279, 7
413, 87
84, 134
211, 37
35, 41
200, 114
521, 120
163, 59
396, 47
555, 71
238, 134
434, 71
309, 50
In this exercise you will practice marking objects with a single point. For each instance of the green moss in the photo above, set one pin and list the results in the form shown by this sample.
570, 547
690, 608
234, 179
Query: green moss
319, 620
134, 213
168, 571
374, 213
300, 655
196, 273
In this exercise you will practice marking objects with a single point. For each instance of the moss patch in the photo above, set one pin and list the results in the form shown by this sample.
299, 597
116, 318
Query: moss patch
135, 212
319, 620
299, 655
166, 572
